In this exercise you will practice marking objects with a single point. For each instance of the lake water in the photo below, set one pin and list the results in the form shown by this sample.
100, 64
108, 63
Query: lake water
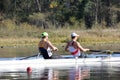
94, 71
97, 71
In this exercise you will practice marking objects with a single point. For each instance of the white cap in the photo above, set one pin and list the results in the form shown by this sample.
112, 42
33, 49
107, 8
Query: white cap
74, 34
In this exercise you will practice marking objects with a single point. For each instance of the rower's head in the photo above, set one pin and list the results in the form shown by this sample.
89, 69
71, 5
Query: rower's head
74, 35
44, 35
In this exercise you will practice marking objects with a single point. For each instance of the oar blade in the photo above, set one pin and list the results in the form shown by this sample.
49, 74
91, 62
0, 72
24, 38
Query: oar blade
102, 51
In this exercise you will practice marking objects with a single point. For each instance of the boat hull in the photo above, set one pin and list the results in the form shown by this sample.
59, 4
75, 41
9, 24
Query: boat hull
38, 63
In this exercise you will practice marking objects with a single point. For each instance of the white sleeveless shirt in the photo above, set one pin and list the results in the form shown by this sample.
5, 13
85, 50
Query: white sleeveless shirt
73, 51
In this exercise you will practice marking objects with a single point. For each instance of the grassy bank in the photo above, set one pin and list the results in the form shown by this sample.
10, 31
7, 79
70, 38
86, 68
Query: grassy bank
60, 36
23, 34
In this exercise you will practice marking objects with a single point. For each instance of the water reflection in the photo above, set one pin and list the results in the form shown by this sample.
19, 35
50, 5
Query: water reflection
105, 72
69, 73
50, 74
78, 72
72, 73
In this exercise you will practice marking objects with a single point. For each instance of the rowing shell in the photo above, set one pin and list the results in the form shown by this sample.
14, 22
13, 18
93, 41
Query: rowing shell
37, 63
67, 60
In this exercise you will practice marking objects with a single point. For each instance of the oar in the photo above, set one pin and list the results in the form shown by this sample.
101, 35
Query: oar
116, 52
94, 50
30, 56
102, 51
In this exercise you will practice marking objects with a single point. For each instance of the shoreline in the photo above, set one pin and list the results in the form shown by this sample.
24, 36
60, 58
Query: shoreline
30, 42
27, 50
88, 38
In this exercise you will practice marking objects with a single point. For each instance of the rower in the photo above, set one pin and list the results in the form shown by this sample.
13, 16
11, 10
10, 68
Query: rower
45, 46
74, 47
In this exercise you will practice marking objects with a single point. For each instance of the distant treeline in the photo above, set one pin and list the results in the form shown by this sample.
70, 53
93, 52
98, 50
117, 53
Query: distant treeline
62, 12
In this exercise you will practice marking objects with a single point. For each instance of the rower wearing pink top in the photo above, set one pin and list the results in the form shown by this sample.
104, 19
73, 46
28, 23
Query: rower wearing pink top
74, 47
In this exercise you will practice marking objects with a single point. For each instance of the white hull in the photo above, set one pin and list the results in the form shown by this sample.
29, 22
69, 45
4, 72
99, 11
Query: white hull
41, 63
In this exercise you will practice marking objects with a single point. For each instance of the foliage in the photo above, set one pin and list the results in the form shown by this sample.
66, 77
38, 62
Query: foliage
62, 12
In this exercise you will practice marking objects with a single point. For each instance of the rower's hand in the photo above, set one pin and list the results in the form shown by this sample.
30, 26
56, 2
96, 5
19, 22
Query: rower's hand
55, 49
87, 50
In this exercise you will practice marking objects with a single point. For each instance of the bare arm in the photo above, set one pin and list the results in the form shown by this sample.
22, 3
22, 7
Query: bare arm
81, 48
51, 46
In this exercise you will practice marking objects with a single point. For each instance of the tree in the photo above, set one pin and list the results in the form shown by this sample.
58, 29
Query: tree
60, 12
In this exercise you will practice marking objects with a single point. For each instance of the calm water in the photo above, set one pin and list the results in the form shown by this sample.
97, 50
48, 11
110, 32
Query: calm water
82, 72
94, 71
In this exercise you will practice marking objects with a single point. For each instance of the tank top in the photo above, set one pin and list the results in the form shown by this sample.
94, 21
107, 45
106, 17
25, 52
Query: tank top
72, 49
42, 45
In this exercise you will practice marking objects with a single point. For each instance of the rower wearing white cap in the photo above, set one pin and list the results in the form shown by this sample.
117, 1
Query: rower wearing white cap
74, 47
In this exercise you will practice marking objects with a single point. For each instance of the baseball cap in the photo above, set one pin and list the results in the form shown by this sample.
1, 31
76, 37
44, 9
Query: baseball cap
44, 34
74, 34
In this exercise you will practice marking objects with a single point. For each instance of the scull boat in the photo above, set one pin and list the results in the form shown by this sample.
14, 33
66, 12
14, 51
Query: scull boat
67, 60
